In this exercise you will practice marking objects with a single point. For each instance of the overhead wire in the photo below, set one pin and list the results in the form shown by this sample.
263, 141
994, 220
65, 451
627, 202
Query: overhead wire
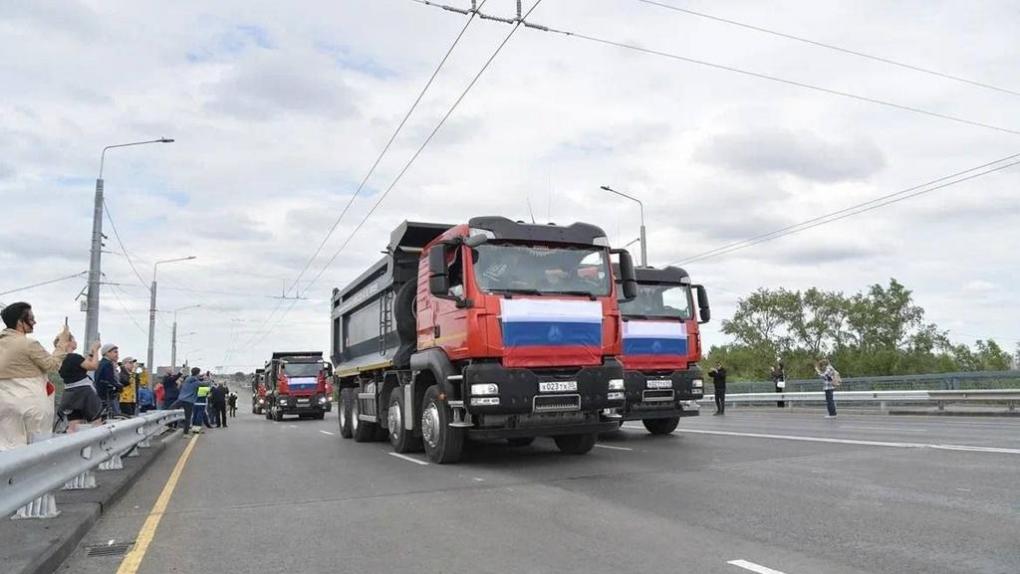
42, 283
827, 46
113, 291
857, 209
123, 249
518, 23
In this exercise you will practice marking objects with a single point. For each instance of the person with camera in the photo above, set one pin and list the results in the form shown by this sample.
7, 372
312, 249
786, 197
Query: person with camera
79, 402
107, 382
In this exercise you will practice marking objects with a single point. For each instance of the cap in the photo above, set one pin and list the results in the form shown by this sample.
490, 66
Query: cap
130, 360
107, 348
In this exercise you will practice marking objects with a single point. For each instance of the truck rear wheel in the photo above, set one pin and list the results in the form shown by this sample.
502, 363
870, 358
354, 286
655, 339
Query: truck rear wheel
661, 426
344, 413
402, 439
576, 443
363, 431
443, 443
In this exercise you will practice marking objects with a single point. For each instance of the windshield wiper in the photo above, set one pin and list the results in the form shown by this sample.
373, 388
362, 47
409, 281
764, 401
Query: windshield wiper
510, 292
582, 293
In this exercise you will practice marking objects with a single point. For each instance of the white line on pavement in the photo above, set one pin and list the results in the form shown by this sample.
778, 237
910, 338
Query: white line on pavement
753, 567
326, 432
407, 458
957, 447
612, 447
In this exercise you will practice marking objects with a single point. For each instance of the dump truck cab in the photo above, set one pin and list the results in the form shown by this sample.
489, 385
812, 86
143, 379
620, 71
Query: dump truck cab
662, 347
502, 329
297, 384
258, 391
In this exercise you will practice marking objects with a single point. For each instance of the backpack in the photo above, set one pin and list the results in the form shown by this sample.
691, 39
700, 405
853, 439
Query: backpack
836, 379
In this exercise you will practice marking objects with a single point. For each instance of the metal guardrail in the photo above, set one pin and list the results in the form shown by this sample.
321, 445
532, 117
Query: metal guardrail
972, 380
30, 474
940, 398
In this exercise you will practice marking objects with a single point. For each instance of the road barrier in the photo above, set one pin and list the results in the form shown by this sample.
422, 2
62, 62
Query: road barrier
30, 474
939, 398
968, 381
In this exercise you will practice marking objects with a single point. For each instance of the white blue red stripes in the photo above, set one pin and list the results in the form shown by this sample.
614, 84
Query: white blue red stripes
302, 383
654, 338
552, 323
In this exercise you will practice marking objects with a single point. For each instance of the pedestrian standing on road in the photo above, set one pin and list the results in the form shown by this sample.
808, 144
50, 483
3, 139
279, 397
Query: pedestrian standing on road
718, 375
79, 402
128, 387
218, 402
232, 403
201, 416
171, 387
779, 378
25, 407
107, 381
186, 399
160, 393
831, 379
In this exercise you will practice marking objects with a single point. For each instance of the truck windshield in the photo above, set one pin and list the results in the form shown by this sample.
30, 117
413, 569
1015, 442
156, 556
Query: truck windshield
302, 369
659, 300
507, 267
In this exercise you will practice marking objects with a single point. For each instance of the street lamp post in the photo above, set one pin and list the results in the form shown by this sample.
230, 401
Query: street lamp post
644, 242
152, 310
95, 272
173, 345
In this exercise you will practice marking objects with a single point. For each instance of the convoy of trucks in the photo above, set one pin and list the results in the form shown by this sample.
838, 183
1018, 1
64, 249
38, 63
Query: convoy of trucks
258, 391
297, 383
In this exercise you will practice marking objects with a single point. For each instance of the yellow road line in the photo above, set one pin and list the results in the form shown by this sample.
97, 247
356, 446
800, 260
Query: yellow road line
134, 558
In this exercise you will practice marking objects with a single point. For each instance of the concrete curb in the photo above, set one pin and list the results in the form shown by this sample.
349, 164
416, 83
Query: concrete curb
41, 546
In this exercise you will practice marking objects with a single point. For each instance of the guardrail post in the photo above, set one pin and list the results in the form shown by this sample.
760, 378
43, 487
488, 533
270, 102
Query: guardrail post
84, 481
1011, 405
113, 463
43, 507
942, 405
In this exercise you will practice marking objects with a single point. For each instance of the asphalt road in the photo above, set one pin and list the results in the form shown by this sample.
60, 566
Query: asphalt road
795, 493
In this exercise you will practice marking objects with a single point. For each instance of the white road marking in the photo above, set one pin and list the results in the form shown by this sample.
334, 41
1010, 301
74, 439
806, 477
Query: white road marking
753, 567
612, 447
956, 447
407, 458
326, 432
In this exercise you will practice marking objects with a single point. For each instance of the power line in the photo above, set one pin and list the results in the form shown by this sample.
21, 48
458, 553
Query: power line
40, 284
124, 308
121, 243
928, 187
778, 79
830, 47
385, 149
414, 157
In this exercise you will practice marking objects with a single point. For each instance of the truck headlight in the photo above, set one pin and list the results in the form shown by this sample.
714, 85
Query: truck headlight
616, 384
697, 383
484, 389
322, 399
262, 401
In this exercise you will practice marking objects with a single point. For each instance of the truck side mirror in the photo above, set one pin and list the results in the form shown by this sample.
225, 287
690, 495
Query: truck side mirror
628, 278
439, 281
704, 312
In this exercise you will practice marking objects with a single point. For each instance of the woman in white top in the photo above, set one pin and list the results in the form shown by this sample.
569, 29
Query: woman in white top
831, 378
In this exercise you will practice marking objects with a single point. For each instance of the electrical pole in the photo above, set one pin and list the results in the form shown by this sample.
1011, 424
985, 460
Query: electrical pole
152, 310
644, 241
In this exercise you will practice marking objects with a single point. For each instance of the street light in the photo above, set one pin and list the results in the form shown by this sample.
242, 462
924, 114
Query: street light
152, 308
644, 242
95, 272
173, 344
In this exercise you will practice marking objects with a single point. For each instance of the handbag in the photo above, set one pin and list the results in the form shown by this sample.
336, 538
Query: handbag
781, 384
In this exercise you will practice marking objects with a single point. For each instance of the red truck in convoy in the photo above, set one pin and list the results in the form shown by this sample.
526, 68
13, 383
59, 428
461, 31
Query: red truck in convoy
489, 329
258, 391
297, 383
662, 347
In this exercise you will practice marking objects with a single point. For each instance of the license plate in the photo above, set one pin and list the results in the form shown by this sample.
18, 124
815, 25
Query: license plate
660, 384
305, 401
557, 386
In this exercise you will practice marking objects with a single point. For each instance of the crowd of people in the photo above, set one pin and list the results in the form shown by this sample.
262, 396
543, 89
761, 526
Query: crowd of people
97, 386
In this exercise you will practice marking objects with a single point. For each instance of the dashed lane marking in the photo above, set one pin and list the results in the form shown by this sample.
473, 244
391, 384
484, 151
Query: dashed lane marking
953, 447
612, 447
408, 458
326, 432
753, 567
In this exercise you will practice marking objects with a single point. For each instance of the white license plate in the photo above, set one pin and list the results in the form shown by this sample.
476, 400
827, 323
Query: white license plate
303, 401
660, 384
557, 386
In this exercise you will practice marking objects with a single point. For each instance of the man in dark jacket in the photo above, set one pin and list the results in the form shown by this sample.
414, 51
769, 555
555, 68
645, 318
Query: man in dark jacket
218, 402
171, 390
107, 383
718, 375
187, 397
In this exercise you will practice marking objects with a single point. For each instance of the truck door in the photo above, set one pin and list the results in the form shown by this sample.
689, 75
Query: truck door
449, 322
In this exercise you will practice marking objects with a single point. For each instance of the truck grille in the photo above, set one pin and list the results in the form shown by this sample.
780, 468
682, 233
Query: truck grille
658, 396
557, 403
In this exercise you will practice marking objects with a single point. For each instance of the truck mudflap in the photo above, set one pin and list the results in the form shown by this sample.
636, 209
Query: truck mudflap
652, 395
492, 389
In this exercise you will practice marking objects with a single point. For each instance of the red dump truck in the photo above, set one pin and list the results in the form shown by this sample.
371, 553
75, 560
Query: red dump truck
492, 329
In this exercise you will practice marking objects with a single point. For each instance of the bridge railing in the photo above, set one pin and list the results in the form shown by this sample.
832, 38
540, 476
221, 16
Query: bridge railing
29, 475
978, 380
1009, 397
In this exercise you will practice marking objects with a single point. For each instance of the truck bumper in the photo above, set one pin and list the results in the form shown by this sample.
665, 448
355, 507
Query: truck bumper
661, 395
554, 430
297, 406
520, 391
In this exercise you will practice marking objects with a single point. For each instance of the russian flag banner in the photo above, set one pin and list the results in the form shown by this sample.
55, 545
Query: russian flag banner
302, 383
551, 323
654, 338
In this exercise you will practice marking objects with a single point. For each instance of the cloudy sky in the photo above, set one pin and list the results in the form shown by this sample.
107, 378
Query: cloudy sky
279, 110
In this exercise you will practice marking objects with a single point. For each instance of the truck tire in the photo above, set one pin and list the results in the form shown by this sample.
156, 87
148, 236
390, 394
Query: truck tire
521, 441
443, 444
402, 439
576, 443
268, 411
363, 431
277, 414
661, 426
344, 413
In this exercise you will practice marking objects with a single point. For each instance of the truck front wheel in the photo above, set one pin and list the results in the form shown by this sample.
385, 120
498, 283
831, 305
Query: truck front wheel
402, 439
344, 414
576, 443
443, 443
661, 426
